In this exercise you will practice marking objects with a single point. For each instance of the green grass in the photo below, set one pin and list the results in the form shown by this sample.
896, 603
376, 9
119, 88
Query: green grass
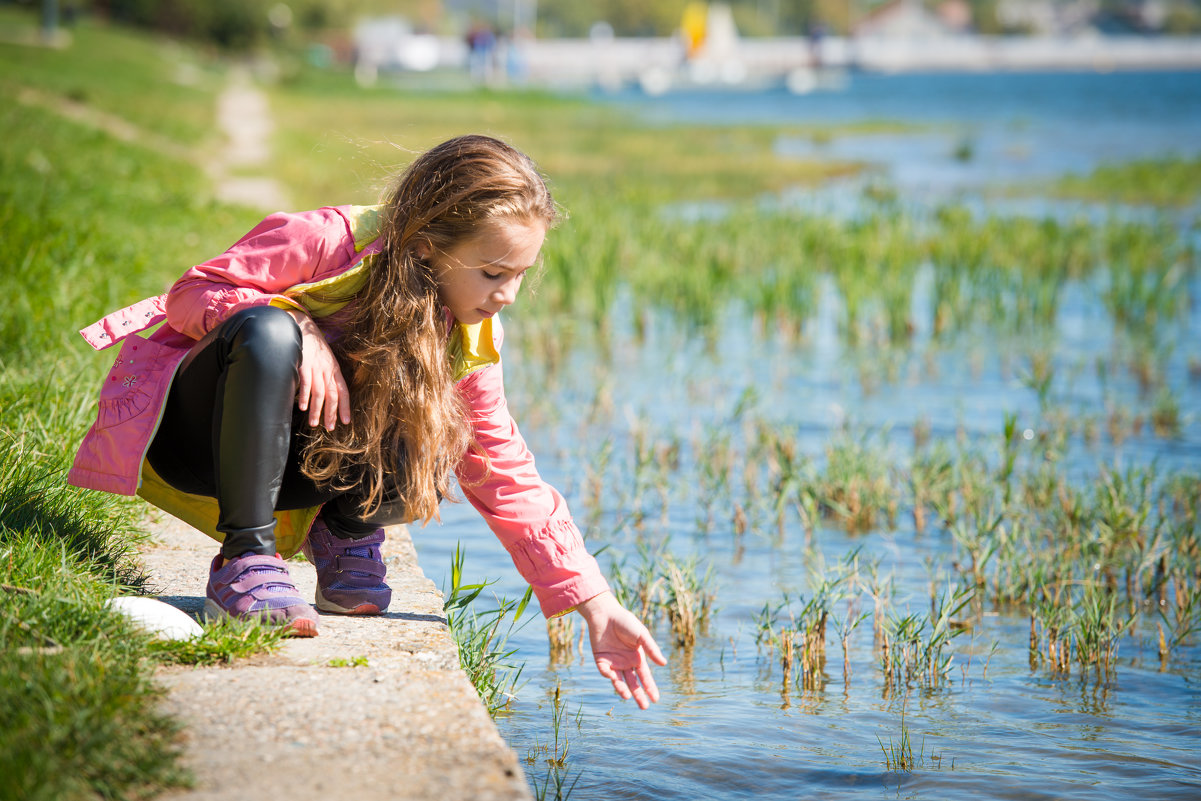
340, 141
152, 82
78, 708
482, 637
1158, 182
90, 224
86, 236
224, 640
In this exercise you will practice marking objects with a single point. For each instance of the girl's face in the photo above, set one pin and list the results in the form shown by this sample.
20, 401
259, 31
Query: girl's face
479, 277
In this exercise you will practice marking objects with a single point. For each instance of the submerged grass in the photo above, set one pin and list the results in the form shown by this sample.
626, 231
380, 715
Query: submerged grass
1171, 181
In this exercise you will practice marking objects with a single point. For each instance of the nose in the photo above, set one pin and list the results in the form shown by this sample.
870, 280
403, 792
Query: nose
507, 292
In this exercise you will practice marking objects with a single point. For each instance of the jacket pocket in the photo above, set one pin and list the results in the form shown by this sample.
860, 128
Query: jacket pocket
135, 380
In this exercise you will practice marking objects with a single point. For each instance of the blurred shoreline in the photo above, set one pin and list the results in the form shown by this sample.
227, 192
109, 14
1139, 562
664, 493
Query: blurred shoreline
659, 64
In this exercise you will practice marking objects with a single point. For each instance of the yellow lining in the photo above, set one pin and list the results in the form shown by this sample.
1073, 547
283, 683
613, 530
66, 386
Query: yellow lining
366, 222
323, 298
473, 349
201, 512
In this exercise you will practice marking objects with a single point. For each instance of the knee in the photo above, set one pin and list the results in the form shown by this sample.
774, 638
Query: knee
266, 335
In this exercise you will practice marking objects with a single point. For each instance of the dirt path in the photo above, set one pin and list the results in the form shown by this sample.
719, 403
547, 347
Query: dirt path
244, 118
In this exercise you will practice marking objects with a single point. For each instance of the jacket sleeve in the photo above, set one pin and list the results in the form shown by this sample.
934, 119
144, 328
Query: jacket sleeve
529, 516
280, 252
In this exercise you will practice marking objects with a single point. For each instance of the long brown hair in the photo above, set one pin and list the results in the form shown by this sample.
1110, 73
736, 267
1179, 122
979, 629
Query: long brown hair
407, 420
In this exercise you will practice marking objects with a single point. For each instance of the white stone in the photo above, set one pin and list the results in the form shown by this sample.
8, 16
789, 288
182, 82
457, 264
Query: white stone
158, 618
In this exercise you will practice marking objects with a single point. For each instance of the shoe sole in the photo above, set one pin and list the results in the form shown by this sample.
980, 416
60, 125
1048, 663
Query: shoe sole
297, 627
323, 604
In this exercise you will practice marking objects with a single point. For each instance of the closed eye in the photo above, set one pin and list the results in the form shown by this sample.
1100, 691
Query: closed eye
503, 275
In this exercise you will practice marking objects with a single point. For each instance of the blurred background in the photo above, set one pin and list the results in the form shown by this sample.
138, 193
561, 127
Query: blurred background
668, 43
861, 313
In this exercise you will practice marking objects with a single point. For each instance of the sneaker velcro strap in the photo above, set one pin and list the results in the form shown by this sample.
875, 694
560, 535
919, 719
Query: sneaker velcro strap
361, 565
259, 560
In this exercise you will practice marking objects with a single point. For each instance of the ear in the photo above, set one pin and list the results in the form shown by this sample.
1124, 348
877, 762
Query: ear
422, 250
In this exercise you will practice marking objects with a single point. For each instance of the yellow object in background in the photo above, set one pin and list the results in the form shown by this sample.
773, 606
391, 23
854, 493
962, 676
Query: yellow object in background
693, 26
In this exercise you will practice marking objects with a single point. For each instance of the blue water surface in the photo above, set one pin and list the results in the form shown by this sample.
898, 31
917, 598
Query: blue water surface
1001, 728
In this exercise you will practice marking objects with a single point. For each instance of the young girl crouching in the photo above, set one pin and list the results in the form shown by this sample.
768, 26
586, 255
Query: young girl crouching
326, 375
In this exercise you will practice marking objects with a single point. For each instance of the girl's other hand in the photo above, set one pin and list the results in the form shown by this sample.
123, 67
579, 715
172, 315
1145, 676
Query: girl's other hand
621, 645
323, 392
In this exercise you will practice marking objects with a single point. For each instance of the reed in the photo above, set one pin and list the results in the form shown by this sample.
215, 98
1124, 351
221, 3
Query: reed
801, 638
1182, 616
560, 633
482, 643
930, 477
1097, 630
639, 587
554, 784
1165, 414
899, 756
978, 539
687, 599
845, 626
915, 647
856, 486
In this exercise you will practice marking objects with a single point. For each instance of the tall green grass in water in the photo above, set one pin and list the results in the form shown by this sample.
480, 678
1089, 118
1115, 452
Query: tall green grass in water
1172, 181
482, 637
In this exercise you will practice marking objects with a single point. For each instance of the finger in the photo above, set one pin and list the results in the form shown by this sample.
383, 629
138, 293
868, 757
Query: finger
619, 685
306, 384
640, 697
316, 398
647, 678
343, 396
651, 648
331, 404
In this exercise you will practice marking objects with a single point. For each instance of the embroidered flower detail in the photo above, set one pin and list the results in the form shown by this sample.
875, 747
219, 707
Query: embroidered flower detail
129, 380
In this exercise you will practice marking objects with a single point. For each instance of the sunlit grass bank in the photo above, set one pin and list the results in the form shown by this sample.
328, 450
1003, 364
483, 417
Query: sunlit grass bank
90, 223
153, 83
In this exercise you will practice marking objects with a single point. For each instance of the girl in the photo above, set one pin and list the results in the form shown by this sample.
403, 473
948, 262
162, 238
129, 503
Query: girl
324, 377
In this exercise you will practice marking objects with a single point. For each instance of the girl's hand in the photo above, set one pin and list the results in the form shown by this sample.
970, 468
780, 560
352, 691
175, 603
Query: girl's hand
323, 392
621, 646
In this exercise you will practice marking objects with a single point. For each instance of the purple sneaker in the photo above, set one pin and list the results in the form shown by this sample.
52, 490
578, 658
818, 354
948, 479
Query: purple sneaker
350, 573
259, 586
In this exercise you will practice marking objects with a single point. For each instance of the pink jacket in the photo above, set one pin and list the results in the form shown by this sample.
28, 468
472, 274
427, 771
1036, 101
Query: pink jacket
298, 261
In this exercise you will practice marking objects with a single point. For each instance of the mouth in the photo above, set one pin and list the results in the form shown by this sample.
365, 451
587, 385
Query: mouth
485, 313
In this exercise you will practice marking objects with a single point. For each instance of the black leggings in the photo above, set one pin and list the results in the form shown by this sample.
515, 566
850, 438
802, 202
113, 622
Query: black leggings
231, 431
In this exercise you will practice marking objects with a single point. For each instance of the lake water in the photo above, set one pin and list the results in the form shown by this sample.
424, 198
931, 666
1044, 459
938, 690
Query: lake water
999, 728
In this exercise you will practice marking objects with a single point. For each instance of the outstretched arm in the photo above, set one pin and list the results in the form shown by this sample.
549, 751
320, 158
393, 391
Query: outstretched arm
621, 646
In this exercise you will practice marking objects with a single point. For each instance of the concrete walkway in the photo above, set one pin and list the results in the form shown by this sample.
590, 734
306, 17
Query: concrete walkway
290, 725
